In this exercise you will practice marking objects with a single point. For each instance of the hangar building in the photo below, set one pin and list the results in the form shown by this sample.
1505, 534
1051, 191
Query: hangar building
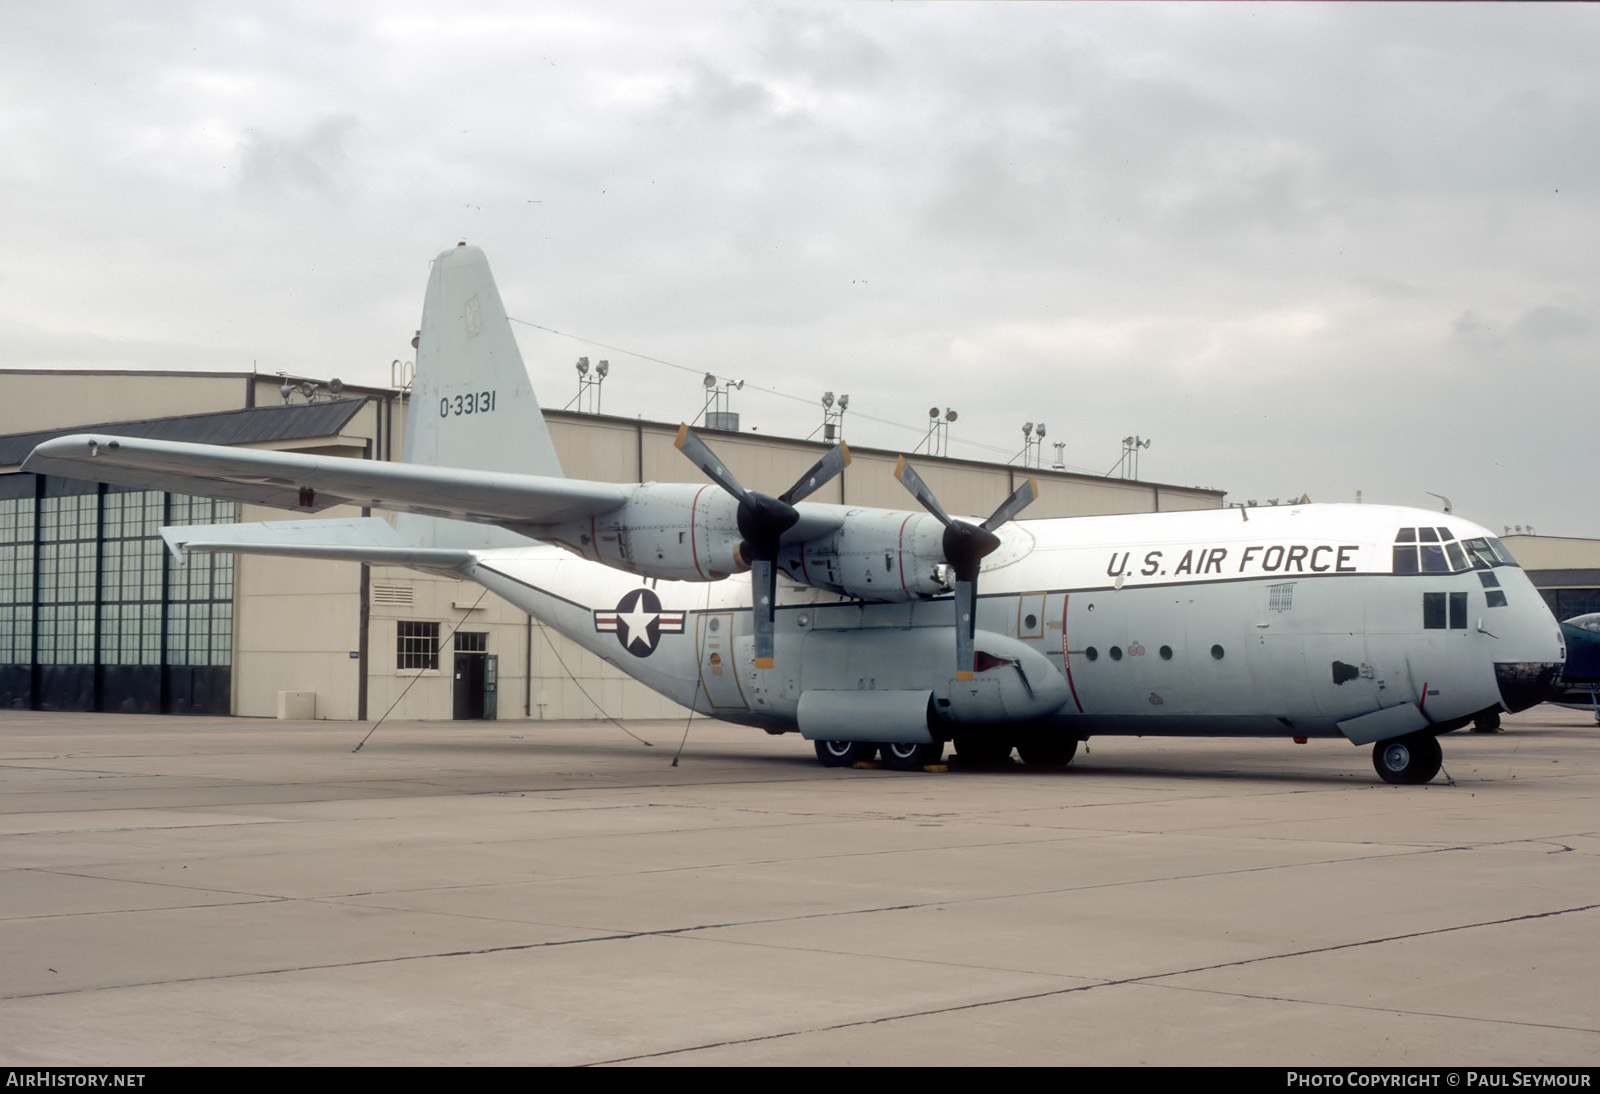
96, 615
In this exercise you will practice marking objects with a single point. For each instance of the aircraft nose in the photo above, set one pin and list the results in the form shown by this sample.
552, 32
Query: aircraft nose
1525, 684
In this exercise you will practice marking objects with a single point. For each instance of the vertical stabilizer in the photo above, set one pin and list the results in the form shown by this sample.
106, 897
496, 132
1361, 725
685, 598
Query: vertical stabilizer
472, 403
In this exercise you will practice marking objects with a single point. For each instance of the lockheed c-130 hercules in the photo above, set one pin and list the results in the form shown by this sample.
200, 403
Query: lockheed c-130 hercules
898, 631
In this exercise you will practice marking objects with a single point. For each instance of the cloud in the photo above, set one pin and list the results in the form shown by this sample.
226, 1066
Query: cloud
317, 160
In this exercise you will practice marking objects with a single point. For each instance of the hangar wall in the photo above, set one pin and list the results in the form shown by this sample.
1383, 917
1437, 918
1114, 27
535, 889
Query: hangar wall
350, 635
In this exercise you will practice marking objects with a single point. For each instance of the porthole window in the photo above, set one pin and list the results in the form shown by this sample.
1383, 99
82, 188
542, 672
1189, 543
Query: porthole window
1092, 654
1166, 653
1030, 622
1216, 651
1116, 653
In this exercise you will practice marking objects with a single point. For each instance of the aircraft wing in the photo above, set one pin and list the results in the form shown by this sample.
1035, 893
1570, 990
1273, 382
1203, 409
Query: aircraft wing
291, 480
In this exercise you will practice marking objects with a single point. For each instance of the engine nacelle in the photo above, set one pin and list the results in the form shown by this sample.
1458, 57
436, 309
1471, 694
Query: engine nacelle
675, 531
874, 554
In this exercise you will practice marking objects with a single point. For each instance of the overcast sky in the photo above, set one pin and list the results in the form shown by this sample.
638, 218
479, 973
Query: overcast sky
1321, 248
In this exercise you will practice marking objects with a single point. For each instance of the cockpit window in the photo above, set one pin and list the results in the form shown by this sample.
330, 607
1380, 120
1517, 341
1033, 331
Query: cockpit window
1481, 554
1436, 551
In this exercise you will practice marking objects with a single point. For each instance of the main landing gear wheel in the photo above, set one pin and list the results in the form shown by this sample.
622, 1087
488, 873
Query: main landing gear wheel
905, 756
982, 750
1408, 760
844, 753
1047, 750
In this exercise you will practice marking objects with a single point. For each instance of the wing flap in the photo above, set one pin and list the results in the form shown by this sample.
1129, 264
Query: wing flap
290, 480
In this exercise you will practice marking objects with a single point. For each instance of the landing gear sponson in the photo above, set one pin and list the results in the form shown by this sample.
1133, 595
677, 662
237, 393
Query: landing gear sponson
1037, 750
1409, 760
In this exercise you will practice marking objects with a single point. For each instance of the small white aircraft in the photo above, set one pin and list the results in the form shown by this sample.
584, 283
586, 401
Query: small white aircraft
1379, 625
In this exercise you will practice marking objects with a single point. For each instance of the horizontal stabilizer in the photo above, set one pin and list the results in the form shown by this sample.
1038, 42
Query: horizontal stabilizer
359, 539
312, 483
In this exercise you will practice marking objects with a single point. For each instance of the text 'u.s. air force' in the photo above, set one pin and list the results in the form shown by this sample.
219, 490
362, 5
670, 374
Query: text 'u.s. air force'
1257, 558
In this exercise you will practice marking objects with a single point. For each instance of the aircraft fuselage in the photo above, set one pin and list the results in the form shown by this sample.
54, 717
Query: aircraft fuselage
1292, 621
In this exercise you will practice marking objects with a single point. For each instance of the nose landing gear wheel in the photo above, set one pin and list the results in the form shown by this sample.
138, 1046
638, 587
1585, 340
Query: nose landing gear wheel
844, 753
904, 756
1408, 760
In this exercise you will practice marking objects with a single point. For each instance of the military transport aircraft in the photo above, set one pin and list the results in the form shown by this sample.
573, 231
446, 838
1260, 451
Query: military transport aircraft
899, 631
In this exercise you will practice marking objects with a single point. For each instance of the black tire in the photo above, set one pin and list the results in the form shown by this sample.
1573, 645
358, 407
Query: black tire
982, 750
1409, 760
844, 753
1487, 723
1047, 749
905, 756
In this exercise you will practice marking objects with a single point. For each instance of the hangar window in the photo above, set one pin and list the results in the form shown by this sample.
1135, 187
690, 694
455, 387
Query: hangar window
417, 645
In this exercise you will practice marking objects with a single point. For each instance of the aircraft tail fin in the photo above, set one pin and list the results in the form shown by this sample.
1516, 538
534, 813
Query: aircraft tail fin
472, 403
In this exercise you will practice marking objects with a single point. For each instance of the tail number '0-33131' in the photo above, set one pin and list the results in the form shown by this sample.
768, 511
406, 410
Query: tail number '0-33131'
478, 402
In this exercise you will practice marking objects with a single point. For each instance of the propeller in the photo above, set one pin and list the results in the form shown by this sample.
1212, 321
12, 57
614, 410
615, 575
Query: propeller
762, 522
965, 547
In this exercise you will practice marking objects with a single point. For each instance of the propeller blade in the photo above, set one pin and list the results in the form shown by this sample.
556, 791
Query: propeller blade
762, 522
1022, 497
965, 547
966, 627
913, 482
701, 456
824, 471
763, 600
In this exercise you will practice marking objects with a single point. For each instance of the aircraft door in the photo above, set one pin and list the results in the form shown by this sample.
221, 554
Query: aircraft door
719, 674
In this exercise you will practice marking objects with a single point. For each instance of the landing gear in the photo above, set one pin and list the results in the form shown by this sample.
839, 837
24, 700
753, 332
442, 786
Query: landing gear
904, 756
1487, 723
844, 753
982, 750
1408, 760
1047, 750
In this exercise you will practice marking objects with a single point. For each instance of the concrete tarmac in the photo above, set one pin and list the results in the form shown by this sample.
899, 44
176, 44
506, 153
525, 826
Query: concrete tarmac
233, 891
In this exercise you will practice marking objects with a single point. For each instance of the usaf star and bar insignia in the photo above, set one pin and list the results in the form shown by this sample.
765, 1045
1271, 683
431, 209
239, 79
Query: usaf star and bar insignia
638, 622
